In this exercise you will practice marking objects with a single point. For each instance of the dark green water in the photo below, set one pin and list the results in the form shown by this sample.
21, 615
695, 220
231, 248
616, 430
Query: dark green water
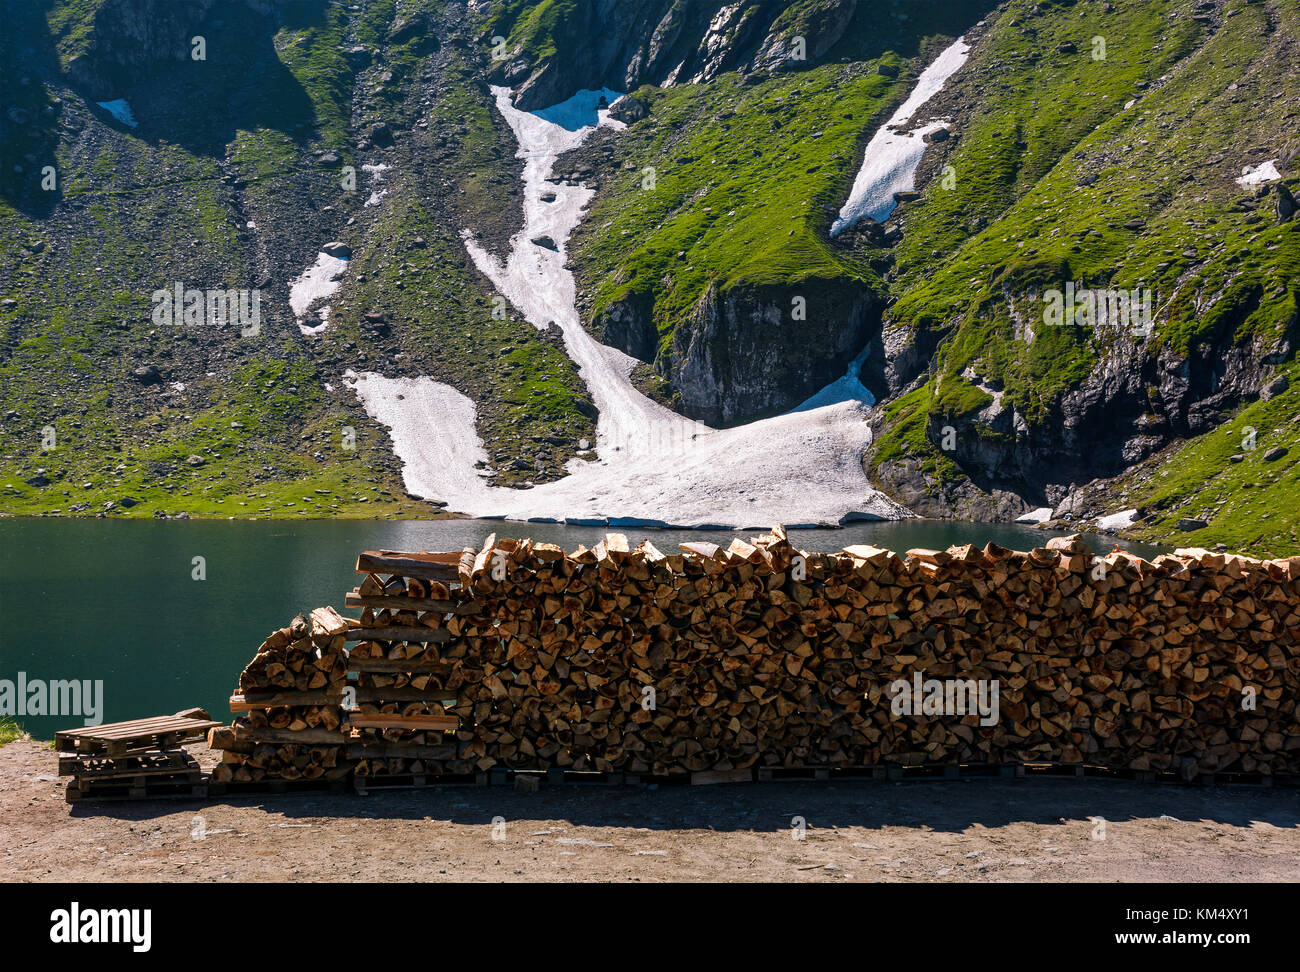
116, 601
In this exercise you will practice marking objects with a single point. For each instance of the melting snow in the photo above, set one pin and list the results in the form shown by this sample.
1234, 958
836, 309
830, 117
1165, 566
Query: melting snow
655, 466
1040, 515
376, 172
891, 158
120, 110
1117, 521
1254, 175
317, 282
846, 389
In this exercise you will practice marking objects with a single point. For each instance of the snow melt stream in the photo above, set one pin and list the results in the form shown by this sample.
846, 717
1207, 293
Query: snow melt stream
655, 466
891, 157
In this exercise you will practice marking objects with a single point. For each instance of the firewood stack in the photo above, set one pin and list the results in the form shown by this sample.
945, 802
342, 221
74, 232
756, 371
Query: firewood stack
760, 655
402, 690
292, 694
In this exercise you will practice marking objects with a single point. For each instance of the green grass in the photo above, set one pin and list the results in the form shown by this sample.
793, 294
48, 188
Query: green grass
742, 178
1251, 505
10, 731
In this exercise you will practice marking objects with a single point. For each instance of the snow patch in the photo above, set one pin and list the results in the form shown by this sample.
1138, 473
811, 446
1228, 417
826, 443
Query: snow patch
892, 155
1040, 515
376, 172
846, 389
1256, 175
317, 282
120, 110
1117, 521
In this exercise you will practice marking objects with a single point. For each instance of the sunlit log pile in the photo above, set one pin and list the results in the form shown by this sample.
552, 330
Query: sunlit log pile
520, 655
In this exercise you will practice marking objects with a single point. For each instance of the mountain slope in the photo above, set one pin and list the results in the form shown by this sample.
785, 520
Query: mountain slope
1087, 145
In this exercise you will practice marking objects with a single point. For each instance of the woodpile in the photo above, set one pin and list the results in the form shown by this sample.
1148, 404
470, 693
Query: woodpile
520, 655
292, 694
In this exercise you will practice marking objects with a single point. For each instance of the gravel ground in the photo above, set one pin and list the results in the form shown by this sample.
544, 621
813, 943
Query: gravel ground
982, 830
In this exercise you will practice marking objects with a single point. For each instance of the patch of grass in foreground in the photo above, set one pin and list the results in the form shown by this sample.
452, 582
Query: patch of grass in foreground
10, 730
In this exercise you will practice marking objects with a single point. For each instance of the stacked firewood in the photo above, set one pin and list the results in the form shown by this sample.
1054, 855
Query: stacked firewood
401, 720
520, 655
292, 696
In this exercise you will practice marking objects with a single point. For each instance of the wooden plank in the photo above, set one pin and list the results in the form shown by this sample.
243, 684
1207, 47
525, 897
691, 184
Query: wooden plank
170, 761
397, 750
403, 665
432, 722
402, 695
323, 736
110, 727
439, 567
130, 730
249, 701
398, 603
423, 635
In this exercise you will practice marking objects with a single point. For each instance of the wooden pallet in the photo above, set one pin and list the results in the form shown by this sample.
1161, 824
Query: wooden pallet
415, 781
772, 774
185, 786
153, 763
276, 786
119, 738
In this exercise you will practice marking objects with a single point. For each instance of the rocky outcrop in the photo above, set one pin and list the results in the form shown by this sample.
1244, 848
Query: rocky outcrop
741, 354
629, 326
127, 35
623, 44
1139, 398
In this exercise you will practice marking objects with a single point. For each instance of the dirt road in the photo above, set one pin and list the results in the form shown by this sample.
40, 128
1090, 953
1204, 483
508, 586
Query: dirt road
983, 830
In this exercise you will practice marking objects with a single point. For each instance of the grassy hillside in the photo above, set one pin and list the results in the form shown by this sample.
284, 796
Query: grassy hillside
236, 196
1118, 173
742, 175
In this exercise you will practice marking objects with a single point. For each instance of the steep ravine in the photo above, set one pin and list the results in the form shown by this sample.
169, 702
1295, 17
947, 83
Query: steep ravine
651, 464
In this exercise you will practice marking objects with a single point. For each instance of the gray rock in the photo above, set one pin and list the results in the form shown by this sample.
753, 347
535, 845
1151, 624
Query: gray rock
147, 375
1274, 388
628, 109
1275, 454
336, 249
1188, 525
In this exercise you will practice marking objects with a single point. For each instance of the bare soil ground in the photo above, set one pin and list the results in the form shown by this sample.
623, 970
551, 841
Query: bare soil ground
981, 830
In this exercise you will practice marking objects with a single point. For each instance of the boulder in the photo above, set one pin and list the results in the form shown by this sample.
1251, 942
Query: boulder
336, 249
